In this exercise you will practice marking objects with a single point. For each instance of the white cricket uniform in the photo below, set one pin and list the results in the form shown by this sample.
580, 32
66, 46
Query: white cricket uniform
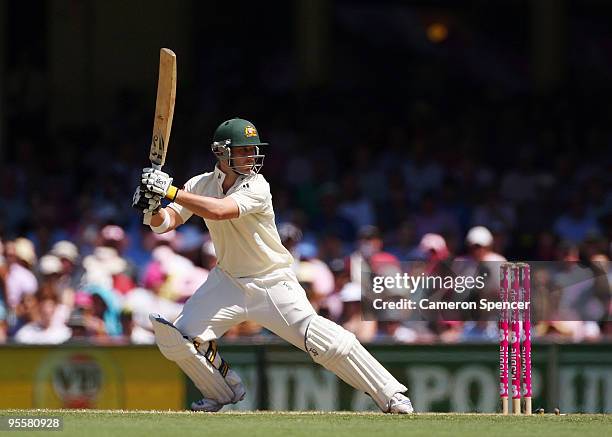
253, 279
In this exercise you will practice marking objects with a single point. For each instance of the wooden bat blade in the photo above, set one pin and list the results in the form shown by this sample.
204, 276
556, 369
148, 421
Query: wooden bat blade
164, 107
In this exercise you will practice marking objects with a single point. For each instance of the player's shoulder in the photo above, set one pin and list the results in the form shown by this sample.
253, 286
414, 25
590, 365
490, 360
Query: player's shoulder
255, 184
200, 180
258, 181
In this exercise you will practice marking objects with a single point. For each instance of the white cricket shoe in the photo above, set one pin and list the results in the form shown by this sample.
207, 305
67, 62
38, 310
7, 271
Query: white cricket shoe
206, 405
400, 404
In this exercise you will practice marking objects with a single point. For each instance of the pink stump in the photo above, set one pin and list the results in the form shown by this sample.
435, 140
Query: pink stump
526, 336
503, 337
515, 340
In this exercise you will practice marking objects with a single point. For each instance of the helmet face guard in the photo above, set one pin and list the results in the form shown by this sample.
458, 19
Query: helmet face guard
223, 152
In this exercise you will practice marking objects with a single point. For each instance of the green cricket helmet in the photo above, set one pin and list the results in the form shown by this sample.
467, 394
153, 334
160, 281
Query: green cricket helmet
238, 133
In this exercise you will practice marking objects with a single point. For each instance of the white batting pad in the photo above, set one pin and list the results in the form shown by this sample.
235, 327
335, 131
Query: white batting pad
338, 350
175, 347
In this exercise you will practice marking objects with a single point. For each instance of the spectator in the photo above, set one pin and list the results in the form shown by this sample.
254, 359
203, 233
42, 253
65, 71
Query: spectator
102, 267
3, 305
291, 236
574, 331
494, 214
106, 309
402, 244
330, 249
351, 319
481, 330
72, 272
132, 333
84, 324
305, 274
449, 331
432, 219
24, 313
20, 279
306, 262
369, 251
354, 205
479, 241
332, 305
180, 278
407, 332
50, 269
576, 225
189, 243
42, 330
584, 291
317, 280
329, 219
433, 248
112, 236
80, 332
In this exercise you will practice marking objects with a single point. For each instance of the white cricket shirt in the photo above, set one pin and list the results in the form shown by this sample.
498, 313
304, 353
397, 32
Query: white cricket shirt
249, 245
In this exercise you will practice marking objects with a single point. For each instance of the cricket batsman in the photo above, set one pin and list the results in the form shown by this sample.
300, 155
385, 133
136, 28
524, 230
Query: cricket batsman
253, 279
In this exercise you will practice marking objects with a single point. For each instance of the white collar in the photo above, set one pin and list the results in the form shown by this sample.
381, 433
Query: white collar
220, 177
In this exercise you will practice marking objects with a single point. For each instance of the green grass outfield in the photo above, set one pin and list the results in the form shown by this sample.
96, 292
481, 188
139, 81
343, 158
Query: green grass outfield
118, 423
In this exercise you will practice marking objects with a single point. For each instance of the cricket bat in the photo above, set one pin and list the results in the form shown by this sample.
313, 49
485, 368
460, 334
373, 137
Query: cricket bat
164, 112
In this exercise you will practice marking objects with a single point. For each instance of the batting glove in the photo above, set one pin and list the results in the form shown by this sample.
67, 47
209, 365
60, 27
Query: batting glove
145, 201
157, 182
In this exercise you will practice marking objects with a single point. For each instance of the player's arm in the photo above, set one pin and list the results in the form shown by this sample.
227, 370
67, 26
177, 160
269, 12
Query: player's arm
209, 208
162, 219
159, 183
169, 215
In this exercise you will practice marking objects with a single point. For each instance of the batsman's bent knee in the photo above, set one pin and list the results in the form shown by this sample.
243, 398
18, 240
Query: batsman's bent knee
200, 361
338, 350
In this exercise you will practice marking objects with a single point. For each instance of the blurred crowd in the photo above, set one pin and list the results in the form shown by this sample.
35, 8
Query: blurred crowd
93, 291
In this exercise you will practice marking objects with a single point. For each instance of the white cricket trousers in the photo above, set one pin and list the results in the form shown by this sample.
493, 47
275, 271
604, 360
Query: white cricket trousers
276, 301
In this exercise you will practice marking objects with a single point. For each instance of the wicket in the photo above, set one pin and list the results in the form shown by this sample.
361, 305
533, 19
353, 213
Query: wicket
515, 336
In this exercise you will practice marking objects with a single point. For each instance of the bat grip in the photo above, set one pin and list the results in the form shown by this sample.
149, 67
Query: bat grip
146, 219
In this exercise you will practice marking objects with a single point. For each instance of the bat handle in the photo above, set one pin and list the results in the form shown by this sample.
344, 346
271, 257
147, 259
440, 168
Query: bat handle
146, 219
